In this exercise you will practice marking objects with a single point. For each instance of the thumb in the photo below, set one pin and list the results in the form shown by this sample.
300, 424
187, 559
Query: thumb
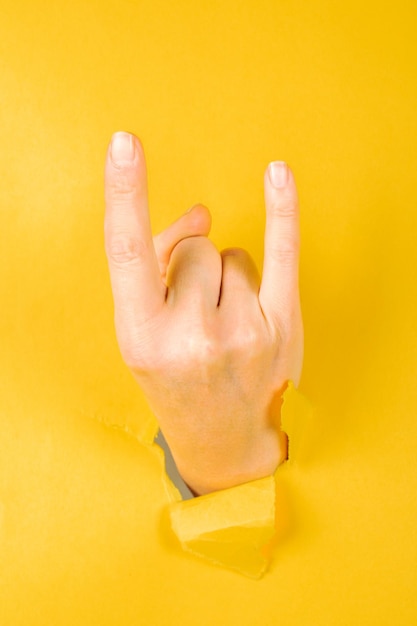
196, 222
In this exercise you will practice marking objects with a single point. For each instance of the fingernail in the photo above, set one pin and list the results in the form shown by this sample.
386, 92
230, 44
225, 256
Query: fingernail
278, 174
122, 148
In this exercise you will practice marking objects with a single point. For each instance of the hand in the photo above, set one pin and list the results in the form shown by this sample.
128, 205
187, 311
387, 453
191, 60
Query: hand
210, 343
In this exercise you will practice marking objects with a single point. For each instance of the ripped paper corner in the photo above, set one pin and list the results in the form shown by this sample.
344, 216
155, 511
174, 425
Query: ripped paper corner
229, 527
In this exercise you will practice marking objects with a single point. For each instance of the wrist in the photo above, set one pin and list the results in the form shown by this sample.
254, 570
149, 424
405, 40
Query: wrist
210, 469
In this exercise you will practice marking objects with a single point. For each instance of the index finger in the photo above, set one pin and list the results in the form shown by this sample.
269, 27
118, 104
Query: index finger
278, 295
137, 286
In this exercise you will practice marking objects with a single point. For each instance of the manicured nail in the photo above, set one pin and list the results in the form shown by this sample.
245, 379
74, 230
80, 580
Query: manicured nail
278, 174
122, 148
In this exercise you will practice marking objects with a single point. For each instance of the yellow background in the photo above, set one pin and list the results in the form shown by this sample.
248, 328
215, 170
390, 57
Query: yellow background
215, 90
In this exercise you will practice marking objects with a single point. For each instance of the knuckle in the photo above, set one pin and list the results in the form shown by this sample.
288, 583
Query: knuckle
198, 353
238, 258
126, 250
246, 342
189, 247
122, 186
286, 208
200, 348
285, 253
235, 252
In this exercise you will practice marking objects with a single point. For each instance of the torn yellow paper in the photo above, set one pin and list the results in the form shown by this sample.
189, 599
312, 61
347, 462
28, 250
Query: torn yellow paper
296, 420
229, 527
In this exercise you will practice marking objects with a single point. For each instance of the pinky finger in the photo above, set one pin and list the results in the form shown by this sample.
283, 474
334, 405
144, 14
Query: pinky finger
278, 295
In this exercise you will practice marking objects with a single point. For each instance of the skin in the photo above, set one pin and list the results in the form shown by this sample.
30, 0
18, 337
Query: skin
211, 343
